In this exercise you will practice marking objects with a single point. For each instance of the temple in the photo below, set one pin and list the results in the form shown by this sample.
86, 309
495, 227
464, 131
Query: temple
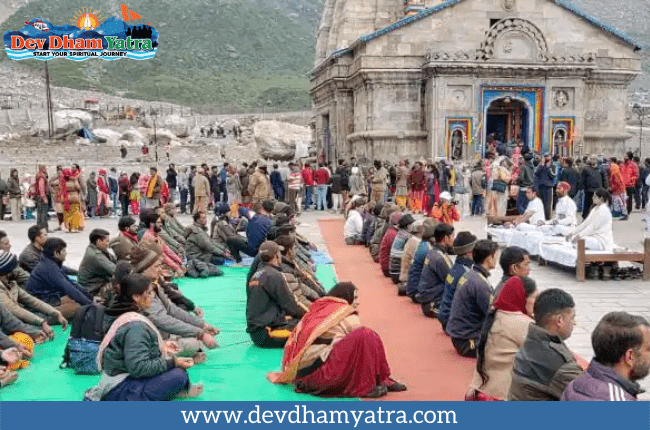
416, 78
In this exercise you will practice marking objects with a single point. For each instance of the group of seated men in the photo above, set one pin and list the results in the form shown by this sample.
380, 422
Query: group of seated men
417, 256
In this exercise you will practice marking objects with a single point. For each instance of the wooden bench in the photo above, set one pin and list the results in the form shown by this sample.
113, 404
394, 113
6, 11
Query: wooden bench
638, 257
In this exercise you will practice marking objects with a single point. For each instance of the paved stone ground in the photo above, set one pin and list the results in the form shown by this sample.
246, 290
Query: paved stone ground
593, 298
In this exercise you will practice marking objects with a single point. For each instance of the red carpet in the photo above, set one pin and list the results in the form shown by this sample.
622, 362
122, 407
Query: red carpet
419, 354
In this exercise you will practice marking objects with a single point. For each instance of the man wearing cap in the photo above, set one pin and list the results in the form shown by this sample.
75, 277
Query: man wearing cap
421, 252
271, 310
463, 247
353, 228
397, 248
444, 211
472, 300
434, 272
409, 252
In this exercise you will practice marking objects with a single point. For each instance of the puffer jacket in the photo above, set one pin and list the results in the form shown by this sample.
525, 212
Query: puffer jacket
415, 271
396, 253
380, 229
602, 383
368, 228
200, 246
384, 249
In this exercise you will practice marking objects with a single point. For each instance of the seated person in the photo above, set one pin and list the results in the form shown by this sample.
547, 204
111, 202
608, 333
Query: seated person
503, 333
258, 227
223, 233
176, 244
445, 211
49, 283
22, 304
97, 266
305, 288
271, 310
199, 244
621, 343
596, 229
421, 252
369, 219
544, 365
397, 248
9, 325
31, 255
471, 302
153, 225
514, 261
191, 332
381, 225
171, 225
126, 239
387, 243
435, 270
346, 359
463, 246
136, 363
409, 252
565, 212
353, 228
19, 274
533, 216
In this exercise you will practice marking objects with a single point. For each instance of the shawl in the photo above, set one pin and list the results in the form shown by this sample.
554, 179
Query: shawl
123, 320
151, 186
417, 180
102, 184
64, 176
323, 314
616, 183
512, 297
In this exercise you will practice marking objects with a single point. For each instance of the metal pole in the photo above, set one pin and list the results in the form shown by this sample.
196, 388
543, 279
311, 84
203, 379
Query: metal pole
641, 135
48, 98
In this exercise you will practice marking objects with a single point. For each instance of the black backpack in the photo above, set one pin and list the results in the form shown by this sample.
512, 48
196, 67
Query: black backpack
86, 334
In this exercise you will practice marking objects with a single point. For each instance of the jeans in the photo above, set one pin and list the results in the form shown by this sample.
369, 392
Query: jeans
114, 200
308, 193
644, 196
321, 197
477, 204
522, 202
184, 193
124, 201
41, 213
546, 194
631, 195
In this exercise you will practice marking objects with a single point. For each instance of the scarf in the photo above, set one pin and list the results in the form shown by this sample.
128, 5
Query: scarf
133, 237
324, 314
151, 186
123, 320
64, 176
512, 297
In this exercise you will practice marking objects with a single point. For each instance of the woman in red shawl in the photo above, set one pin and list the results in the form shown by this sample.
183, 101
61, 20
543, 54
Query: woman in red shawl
417, 182
330, 353
504, 332
102, 193
73, 218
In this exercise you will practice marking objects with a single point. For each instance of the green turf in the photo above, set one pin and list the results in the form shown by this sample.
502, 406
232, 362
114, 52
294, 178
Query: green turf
234, 371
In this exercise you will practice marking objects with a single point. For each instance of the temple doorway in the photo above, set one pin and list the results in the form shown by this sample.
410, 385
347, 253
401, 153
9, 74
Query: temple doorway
508, 119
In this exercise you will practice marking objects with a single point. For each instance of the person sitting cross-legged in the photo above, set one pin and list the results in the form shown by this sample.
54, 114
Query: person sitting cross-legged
544, 365
435, 270
419, 257
463, 246
153, 225
126, 239
32, 253
271, 309
223, 233
199, 244
136, 363
98, 266
353, 228
621, 345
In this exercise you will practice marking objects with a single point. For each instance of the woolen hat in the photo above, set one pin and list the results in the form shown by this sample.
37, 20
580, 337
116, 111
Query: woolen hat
406, 220
222, 209
464, 243
144, 255
8, 262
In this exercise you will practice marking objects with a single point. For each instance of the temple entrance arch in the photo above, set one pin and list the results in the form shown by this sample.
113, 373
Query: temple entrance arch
508, 119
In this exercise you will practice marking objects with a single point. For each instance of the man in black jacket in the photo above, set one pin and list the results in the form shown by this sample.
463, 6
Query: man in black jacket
571, 176
472, 300
593, 178
525, 180
544, 365
434, 273
271, 310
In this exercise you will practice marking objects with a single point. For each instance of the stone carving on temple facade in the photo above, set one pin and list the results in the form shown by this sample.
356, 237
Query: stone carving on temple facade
561, 98
508, 5
513, 38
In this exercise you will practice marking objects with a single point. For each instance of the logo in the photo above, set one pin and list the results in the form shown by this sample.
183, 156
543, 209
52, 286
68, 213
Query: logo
89, 36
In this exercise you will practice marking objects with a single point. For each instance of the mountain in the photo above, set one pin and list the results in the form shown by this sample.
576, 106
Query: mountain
247, 53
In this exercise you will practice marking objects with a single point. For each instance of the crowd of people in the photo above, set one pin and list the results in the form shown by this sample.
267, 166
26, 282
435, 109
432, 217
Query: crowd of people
152, 332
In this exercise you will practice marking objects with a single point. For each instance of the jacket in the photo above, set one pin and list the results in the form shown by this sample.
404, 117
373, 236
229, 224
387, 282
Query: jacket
308, 176
311, 286
9, 324
544, 176
572, 177
256, 231
174, 227
458, 270
122, 246
322, 176
303, 295
222, 231
434, 273
31, 256
470, 305
368, 229
20, 302
525, 178
630, 172
170, 319
201, 186
543, 367
96, 269
593, 178
269, 300
200, 246
170, 258
353, 226
258, 187
135, 350
601, 382
13, 188
357, 185
176, 244
506, 336
385, 247
478, 182
49, 283
396, 253
336, 181
276, 182
415, 271
407, 257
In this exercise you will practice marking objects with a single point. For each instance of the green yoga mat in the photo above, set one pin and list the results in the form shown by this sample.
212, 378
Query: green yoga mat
234, 371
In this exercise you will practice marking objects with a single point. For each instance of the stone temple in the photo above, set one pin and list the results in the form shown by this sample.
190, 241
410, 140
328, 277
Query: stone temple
411, 79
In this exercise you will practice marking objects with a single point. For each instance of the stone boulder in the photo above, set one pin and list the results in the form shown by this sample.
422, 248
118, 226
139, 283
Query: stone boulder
133, 135
65, 121
177, 125
108, 136
163, 136
279, 140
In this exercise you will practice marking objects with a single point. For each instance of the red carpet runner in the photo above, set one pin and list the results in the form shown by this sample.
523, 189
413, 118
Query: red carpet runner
419, 353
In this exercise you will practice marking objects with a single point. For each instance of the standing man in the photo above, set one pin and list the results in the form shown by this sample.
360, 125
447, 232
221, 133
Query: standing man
277, 183
593, 178
379, 182
630, 173
295, 183
42, 202
113, 189
172, 182
201, 191
214, 186
545, 179
3, 195
621, 345
524, 181
322, 178
152, 195
223, 181
308, 180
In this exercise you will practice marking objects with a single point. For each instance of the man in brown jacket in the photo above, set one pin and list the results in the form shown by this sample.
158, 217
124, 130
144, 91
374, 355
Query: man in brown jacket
260, 186
201, 191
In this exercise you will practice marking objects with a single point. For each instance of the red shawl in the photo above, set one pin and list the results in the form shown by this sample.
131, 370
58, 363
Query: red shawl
102, 184
64, 175
512, 297
323, 314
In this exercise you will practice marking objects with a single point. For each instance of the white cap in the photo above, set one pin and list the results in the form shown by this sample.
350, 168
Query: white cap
445, 196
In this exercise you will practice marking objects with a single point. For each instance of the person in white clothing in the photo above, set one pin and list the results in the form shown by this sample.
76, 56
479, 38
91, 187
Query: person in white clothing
534, 214
565, 218
354, 224
596, 230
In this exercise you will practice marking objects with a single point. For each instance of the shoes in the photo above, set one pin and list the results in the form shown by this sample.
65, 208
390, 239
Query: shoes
379, 391
401, 289
624, 218
396, 387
